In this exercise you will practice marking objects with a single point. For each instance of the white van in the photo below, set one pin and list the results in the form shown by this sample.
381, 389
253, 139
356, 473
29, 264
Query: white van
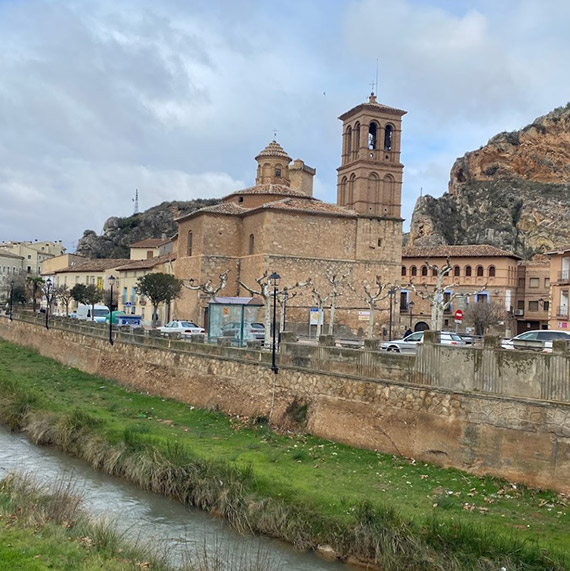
84, 312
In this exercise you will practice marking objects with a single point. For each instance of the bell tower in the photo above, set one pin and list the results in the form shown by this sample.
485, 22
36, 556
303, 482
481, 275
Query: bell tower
370, 174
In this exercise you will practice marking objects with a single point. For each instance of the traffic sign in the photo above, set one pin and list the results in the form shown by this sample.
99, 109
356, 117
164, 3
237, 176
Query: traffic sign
458, 315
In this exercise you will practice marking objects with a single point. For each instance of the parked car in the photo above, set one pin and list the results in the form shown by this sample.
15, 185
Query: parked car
409, 343
535, 340
182, 327
252, 330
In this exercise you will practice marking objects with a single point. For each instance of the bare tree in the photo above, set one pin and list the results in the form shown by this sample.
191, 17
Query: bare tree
63, 294
436, 294
337, 283
484, 315
265, 292
320, 299
208, 287
374, 294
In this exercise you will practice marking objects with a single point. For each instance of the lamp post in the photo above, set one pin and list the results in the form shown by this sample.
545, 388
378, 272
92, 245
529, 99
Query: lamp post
48, 300
11, 299
411, 306
111, 283
274, 281
391, 293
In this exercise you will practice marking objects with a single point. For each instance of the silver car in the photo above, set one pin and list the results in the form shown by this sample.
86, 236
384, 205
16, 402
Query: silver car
409, 343
535, 340
185, 328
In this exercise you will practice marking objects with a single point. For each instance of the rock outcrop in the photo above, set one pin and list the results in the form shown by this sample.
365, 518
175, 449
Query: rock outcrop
119, 233
513, 193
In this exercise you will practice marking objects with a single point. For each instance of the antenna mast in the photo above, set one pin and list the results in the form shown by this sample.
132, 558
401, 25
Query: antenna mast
136, 201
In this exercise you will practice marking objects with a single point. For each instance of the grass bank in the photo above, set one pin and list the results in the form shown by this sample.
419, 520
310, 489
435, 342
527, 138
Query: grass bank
399, 513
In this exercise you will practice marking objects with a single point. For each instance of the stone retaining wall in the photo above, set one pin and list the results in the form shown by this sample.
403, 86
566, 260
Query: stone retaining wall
520, 439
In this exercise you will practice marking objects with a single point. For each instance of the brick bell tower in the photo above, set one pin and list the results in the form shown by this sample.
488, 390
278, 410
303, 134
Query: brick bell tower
370, 174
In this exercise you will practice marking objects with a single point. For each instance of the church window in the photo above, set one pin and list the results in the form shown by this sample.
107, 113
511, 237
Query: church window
189, 246
277, 171
251, 244
491, 271
240, 199
479, 271
372, 136
349, 141
342, 193
403, 271
456, 271
434, 272
413, 271
388, 137
350, 197
468, 271
356, 145
424, 271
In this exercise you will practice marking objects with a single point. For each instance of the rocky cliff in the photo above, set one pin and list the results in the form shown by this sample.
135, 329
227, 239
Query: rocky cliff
513, 193
119, 233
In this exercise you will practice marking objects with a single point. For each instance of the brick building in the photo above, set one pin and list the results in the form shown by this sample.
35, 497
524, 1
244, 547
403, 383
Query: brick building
277, 224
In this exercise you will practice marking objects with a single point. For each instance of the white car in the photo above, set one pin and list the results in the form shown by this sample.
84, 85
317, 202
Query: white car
535, 340
182, 327
409, 343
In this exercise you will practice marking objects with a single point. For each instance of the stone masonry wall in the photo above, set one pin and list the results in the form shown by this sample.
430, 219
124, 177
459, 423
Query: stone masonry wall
520, 439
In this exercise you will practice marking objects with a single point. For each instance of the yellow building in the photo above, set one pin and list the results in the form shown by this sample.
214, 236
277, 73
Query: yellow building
34, 253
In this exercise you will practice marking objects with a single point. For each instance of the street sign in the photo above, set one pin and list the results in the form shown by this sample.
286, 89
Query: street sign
458, 315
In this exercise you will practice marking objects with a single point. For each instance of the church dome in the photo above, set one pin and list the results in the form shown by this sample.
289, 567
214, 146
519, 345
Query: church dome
274, 150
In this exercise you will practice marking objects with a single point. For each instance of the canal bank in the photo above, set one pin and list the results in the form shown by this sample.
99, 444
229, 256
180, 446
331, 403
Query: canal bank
307, 491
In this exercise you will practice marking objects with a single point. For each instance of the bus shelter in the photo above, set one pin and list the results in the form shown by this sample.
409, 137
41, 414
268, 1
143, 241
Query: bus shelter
236, 319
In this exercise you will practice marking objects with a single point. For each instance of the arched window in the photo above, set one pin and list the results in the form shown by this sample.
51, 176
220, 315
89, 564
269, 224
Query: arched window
342, 192
413, 271
479, 271
456, 271
388, 137
349, 141
373, 136
266, 171
434, 272
278, 170
467, 271
491, 271
356, 145
373, 190
350, 197
388, 198
403, 271
189, 243
424, 271
251, 244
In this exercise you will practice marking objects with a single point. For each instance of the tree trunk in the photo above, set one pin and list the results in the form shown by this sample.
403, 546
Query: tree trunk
331, 316
154, 319
371, 319
319, 314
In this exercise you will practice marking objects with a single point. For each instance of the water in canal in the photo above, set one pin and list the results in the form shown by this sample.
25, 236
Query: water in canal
147, 517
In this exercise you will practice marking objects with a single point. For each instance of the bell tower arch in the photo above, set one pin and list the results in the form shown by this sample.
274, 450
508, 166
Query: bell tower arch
370, 174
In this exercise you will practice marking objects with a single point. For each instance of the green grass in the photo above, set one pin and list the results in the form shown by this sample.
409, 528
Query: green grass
301, 488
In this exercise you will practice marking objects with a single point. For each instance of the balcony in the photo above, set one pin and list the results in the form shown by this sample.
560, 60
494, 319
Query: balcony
564, 277
562, 311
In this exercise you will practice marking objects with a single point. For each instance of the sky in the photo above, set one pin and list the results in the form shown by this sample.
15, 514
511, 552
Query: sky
175, 98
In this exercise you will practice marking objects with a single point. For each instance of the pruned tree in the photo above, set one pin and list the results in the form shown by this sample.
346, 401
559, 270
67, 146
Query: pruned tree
63, 294
92, 295
159, 288
319, 299
337, 282
374, 294
208, 287
77, 293
283, 297
436, 294
265, 291
483, 315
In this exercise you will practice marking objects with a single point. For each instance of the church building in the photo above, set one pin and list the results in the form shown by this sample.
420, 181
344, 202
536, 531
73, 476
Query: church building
277, 225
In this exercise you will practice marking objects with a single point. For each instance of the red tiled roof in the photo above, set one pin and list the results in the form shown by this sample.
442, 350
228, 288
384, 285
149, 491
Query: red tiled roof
277, 189
95, 265
460, 251
308, 205
150, 243
274, 149
147, 263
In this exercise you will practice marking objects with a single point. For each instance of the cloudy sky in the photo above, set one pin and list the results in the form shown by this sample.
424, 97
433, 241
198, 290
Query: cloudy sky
175, 98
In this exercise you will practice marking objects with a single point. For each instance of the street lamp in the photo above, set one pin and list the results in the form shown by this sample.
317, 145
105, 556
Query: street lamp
411, 306
391, 293
48, 300
111, 283
274, 281
11, 299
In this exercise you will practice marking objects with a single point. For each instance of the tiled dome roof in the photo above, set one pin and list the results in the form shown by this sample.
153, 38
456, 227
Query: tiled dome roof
274, 149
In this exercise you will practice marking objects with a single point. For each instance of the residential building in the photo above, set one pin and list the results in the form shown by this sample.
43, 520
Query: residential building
533, 294
480, 273
34, 253
150, 248
11, 267
560, 288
